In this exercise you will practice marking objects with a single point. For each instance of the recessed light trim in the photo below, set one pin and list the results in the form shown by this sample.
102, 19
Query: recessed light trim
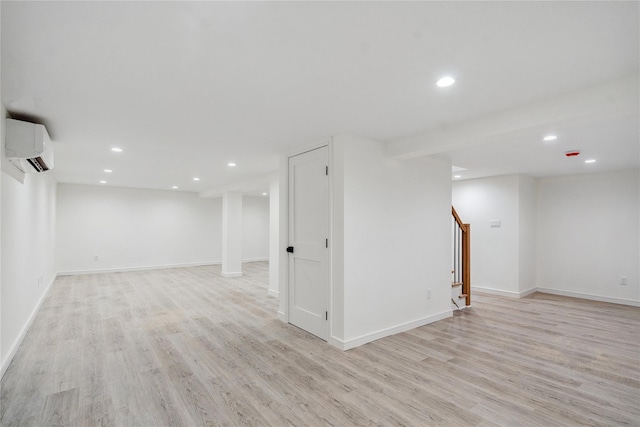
108, 170
231, 164
445, 81
103, 182
590, 161
550, 138
175, 187
116, 150
264, 194
196, 179
457, 176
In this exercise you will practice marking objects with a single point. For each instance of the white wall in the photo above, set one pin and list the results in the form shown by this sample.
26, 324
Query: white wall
131, 228
588, 228
3, 114
27, 253
255, 228
394, 221
495, 260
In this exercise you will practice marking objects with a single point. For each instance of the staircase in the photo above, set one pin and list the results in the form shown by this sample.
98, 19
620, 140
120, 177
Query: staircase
461, 263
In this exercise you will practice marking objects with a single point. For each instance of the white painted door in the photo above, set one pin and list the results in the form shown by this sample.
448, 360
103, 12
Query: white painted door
308, 234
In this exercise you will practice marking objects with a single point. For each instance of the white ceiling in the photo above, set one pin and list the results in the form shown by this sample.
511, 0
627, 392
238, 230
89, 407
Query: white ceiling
186, 87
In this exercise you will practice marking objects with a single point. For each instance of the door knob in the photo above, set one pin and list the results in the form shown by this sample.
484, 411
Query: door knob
290, 249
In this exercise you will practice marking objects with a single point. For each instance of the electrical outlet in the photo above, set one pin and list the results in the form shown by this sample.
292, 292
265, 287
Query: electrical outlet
623, 280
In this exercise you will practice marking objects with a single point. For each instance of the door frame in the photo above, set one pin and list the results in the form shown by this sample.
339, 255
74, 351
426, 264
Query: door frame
285, 283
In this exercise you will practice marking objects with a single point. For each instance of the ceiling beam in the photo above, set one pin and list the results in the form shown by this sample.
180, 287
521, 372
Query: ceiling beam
258, 183
619, 98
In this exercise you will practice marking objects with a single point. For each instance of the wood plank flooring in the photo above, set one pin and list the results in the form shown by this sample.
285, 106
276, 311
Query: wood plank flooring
186, 347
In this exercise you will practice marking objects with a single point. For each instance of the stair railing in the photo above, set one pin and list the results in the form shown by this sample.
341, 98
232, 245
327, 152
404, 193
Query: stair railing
462, 255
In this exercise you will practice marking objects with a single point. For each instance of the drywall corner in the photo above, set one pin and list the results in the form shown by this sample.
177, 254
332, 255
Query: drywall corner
526, 233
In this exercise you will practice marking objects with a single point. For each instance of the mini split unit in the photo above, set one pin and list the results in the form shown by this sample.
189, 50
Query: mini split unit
28, 147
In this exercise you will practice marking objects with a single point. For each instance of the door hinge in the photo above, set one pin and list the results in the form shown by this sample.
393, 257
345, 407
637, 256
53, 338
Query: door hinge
326, 243
326, 315
326, 170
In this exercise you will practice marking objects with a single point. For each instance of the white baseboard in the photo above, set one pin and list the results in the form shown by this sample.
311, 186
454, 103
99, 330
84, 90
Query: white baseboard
151, 267
528, 292
25, 329
143, 268
255, 260
521, 294
511, 294
231, 274
589, 296
367, 338
273, 293
282, 316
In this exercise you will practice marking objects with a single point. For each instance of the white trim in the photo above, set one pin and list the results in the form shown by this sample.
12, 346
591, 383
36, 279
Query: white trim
282, 316
592, 297
322, 143
364, 339
528, 292
510, 294
25, 329
231, 274
273, 293
589, 296
142, 268
336, 342
255, 260
151, 267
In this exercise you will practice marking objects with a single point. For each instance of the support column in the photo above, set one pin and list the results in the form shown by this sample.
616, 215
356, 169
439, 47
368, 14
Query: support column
274, 237
231, 234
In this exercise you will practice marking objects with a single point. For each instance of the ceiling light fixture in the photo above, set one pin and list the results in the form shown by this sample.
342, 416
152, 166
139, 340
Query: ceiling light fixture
108, 170
175, 187
590, 161
117, 149
550, 138
231, 165
103, 182
196, 179
457, 176
445, 81
264, 194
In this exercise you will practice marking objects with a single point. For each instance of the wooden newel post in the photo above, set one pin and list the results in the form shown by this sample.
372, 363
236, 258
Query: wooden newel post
466, 263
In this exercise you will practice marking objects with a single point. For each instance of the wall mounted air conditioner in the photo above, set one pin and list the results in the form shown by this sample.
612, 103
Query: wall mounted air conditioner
28, 147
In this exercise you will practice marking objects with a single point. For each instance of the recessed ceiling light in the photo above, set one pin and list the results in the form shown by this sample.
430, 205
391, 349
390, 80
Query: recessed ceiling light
264, 194
457, 176
117, 149
445, 81
231, 165
550, 138
103, 182
175, 187
108, 170
590, 161
196, 179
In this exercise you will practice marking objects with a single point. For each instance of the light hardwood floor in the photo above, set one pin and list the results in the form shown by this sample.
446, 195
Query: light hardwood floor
187, 347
